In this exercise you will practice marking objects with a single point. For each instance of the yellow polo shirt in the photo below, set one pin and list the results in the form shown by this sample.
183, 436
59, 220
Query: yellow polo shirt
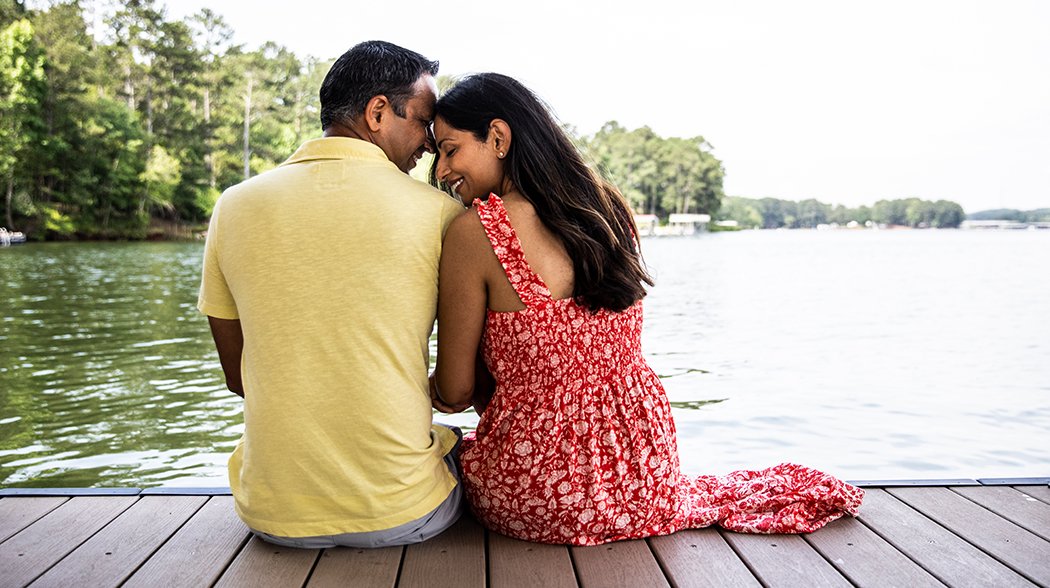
330, 261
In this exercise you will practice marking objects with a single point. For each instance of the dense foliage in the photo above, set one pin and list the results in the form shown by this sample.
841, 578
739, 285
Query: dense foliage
131, 128
1039, 215
107, 133
658, 175
772, 213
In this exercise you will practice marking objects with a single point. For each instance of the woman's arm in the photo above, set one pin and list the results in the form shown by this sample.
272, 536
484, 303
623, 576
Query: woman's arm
462, 299
484, 385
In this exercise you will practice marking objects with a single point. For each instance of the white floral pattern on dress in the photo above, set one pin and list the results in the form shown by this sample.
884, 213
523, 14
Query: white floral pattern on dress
578, 444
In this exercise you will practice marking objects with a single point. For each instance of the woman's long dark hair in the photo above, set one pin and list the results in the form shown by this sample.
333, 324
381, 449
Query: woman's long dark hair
588, 214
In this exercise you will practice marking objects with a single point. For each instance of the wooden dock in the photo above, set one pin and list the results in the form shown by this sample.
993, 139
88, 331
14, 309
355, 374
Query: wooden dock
935, 533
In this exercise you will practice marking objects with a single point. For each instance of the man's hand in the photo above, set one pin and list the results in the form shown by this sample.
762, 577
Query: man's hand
439, 405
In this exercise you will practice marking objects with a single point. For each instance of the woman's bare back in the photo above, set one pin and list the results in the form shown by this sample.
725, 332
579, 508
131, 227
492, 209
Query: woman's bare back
543, 250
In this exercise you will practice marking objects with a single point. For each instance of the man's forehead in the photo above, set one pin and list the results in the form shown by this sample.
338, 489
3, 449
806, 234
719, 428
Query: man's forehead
430, 83
426, 95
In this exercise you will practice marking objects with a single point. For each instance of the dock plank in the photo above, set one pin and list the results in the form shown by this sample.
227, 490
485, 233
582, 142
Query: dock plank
1017, 507
1026, 553
785, 561
199, 552
18, 513
1041, 493
514, 563
626, 564
700, 558
265, 565
865, 559
36, 548
361, 568
116, 551
453, 559
932, 546
992, 535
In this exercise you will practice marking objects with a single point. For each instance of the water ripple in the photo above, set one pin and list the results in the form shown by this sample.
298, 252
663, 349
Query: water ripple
853, 352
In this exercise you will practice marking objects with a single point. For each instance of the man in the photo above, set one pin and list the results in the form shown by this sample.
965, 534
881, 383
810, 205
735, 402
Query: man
320, 286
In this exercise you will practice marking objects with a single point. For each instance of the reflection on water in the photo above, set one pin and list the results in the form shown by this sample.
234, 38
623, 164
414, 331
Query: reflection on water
871, 355
107, 372
893, 354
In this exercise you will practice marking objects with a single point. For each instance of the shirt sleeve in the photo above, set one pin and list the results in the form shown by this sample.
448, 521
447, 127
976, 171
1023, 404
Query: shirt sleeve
215, 298
450, 209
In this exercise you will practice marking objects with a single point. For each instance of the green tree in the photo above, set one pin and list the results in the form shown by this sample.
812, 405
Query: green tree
160, 180
840, 214
112, 143
862, 214
947, 214
86, 168
161, 71
10, 11
773, 213
261, 109
915, 212
890, 212
625, 158
115, 111
21, 95
213, 36
692, 178
658, 175
742, 210
919, 213
811, 213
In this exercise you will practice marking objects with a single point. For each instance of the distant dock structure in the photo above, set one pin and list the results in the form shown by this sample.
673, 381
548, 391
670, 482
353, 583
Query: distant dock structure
10, 237
1003, 225
647, 224
677, 224
688, 224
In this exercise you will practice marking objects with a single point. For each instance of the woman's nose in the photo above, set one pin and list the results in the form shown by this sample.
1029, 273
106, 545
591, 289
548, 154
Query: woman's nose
442, 169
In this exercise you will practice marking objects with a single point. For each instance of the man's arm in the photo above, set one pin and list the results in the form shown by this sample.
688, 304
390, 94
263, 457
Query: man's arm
229, 340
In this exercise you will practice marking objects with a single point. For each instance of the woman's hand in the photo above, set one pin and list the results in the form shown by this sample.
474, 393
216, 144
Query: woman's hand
439, 404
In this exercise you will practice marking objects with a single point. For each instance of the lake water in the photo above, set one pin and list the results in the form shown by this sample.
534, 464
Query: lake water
870, 354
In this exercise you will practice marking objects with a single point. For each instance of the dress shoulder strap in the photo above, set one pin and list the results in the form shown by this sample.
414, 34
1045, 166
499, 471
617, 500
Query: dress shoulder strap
528, 285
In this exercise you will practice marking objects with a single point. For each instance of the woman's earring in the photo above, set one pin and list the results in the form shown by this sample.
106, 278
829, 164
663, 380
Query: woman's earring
501, 155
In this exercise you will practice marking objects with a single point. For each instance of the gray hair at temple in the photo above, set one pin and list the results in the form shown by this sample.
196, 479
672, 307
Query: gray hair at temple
370, 69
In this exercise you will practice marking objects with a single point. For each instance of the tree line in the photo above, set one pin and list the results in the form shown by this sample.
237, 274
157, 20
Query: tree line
118, 122
773, 213
136, 128
111, 133
1039, 215
658, 175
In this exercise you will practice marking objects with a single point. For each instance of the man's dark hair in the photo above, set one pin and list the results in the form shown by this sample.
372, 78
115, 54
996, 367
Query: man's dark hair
370, 69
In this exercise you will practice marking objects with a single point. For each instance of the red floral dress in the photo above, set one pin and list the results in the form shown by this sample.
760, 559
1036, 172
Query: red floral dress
578, 444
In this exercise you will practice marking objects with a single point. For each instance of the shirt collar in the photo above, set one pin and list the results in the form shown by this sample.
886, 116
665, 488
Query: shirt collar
336, 148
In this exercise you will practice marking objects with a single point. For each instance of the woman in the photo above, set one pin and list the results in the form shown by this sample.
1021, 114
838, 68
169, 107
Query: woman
543, 274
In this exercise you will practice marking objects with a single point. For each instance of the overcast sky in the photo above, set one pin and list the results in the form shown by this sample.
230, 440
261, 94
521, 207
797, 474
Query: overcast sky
846, 102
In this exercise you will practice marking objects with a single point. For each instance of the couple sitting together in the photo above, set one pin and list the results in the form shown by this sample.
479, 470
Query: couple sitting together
322, 280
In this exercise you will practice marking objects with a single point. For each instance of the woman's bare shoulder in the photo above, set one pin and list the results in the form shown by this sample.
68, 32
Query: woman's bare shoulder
466, 236
467, 226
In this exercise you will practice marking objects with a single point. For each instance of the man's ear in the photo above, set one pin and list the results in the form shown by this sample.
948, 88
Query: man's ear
376, 108
499, 137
